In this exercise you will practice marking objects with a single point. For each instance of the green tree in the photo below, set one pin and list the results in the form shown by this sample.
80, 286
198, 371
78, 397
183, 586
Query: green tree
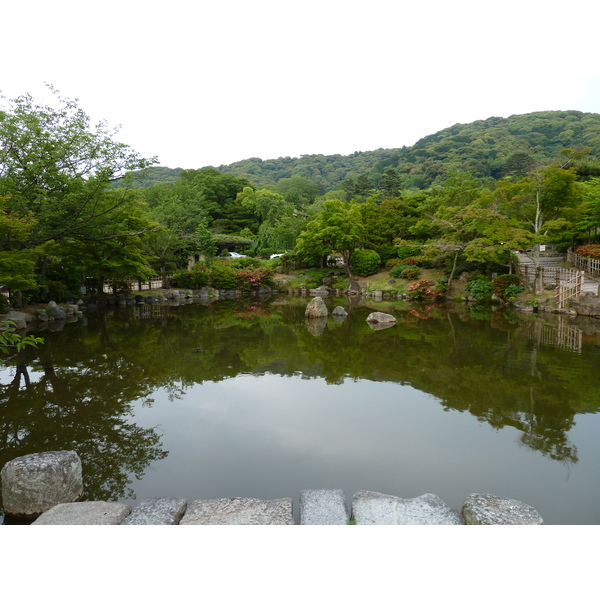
55, 171
56, 167
337, 228
391, 184
298, 190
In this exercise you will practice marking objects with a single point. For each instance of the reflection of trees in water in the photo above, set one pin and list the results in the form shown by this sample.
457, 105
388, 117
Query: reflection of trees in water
79, 394
86, 409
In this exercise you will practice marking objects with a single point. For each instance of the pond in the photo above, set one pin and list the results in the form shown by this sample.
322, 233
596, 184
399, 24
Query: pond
244, 398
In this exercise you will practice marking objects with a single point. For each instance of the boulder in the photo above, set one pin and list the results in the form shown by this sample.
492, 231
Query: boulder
58, 313
239, 511
85, 513
487, 509
157, 511
323, 507
316, 309
380, 317
372, 508
34, 483
354, 288
322, 291
339, 311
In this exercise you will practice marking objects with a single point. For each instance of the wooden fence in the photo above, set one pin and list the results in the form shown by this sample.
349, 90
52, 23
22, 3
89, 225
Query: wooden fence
135, 286
589, 265
568, 282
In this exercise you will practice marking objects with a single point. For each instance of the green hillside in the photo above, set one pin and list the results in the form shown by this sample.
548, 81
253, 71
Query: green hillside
488, 149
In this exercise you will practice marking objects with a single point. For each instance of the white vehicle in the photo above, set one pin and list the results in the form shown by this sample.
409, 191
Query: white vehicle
234, 255
275, 255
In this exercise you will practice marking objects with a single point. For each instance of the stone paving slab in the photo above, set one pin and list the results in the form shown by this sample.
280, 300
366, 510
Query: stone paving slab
323, 507
487, 509
85, 513
239, 511
157, 511
373, 508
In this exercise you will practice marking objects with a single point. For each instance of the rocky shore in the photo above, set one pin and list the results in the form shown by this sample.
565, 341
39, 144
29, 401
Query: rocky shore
46, 488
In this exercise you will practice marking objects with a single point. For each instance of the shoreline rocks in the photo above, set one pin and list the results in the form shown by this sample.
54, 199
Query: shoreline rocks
34, 483
48, 487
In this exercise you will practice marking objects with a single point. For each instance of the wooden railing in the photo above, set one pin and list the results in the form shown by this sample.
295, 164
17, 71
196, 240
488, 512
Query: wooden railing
568, 282
589, 265
570, 288
153, 284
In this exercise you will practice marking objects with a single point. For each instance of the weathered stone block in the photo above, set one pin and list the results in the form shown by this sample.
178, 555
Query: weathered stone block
239, 511
323, 507
487, 509
85, 513
157, 511
34, 483
372, 508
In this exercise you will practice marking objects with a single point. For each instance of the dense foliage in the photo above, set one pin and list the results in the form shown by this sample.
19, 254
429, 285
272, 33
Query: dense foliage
365, 262
78, 208
491, 148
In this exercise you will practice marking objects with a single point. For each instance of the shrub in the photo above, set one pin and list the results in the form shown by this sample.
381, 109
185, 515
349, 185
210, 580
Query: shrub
422, 290
223, 277
195, 279
405, 251
365, 262
397, 271
390, 264
410, 273
589, 251
251, 279
507, 286
480, 289
246, 262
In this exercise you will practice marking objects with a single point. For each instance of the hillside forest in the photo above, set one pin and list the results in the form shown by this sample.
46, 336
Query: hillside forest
78, 208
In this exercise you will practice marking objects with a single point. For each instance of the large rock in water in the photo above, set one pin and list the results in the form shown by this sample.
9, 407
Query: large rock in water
339, 311
380, 317
486, 509
316, 309
34, 483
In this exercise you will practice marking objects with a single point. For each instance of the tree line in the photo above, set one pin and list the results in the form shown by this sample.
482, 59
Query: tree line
78, 208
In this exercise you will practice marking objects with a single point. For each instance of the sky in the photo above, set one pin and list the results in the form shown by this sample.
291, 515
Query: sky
210, 83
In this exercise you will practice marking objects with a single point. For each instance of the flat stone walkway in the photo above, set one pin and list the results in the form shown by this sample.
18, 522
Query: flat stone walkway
317, 507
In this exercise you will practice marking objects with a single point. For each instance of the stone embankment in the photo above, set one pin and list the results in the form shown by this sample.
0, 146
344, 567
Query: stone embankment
45, 488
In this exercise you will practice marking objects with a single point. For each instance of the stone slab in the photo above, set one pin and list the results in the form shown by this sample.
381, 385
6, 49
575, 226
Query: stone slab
323, 507
239, 511
157, 511
34, 483
487, 509
85, 513
373, 508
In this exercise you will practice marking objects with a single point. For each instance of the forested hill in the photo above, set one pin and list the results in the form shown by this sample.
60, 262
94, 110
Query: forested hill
491, 148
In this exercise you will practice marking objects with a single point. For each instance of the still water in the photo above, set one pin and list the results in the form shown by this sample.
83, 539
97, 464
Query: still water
245, 398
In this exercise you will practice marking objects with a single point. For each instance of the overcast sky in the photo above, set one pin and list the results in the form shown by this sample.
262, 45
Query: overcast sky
209, 83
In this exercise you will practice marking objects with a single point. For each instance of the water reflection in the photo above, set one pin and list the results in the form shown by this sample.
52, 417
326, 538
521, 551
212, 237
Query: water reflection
86, 387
